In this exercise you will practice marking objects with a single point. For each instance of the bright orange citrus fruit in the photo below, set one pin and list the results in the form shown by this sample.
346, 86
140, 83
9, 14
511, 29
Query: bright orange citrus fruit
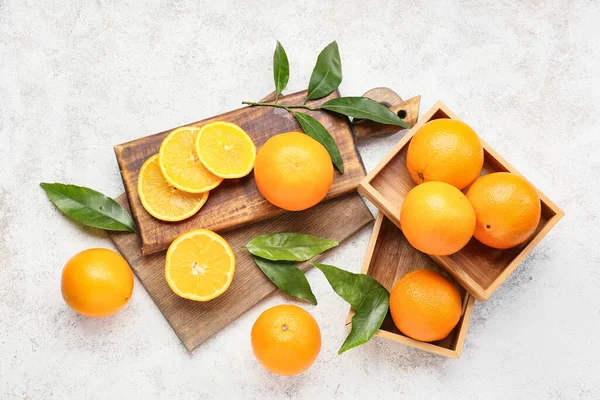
293, 171
286, 340
425, 306
507, 207
180, 164
97, 282
161, 199
436, 218
199, 265
445, 150
225, 149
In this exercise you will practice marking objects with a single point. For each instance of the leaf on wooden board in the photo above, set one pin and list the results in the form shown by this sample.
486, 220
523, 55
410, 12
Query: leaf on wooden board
289, 246
368, 318
89, 207
317, 131
327, 74
287, 277
351, 287
365, 108
281, 70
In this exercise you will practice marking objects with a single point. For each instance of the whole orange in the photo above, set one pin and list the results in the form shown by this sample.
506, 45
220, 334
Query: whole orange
436, 218
293, 171
425, 306
286, 339
97, 282
507, 207
445, 150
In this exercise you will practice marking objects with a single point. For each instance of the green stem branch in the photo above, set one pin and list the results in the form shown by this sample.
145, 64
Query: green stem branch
287, 107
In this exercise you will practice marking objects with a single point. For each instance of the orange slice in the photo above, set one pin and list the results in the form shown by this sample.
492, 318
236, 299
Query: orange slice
162, 200
225, 149
180, 164
199, 265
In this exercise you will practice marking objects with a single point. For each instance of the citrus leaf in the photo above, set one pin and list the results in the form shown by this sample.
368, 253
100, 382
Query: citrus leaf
89, 207
289, 246
287, 277
353, 288
281, 70
368, 318
315, 130
327, 74
364, 108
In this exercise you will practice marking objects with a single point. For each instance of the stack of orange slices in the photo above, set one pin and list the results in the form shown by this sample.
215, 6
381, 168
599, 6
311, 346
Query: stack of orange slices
174, 184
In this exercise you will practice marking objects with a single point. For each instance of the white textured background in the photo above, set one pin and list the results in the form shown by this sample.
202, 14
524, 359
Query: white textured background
78, 77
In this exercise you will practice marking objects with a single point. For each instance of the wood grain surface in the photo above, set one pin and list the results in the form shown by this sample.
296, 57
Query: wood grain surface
195, 322
479, 268
235, 202
389, 257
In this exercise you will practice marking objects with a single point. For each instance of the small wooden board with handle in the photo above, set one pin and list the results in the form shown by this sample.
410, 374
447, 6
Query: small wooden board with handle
238, 202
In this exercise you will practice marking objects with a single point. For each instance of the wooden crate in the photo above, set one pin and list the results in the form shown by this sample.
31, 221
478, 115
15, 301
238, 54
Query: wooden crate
389, 257
479, 268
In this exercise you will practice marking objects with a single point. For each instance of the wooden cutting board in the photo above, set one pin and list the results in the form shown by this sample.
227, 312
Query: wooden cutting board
195, 322
338, 218
238, 202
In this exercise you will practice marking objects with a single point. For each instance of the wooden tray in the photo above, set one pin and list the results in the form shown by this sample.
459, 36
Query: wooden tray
389, 257
195, 322
480, 269
238, 202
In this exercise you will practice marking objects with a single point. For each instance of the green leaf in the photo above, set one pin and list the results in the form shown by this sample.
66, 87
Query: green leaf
89, 207
368, 318
287, 277
365, 108
327, 74
367, 296
353, 288
289, 246
281, 70
315, 130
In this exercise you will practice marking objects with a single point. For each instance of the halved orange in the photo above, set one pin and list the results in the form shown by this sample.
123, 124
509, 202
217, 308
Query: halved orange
180, 164
225, 149
199, 265
162, 200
